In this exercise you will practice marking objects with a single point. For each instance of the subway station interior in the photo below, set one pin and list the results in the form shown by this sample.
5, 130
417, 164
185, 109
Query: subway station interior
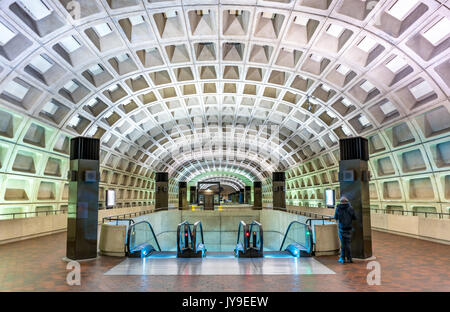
152, 145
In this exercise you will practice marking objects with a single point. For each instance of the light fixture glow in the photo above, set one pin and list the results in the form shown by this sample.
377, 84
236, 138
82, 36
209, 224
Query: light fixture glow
367, 86
396, 64
421, 90
16, 89
438, 32
136, 20
71, 86
41, 64
367, 44
37, 9
6, 34
335, 30
70, 44
401, 8
102, 29
387, 108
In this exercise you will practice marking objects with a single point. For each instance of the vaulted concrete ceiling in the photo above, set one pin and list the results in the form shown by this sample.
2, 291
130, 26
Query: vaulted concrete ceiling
191, 86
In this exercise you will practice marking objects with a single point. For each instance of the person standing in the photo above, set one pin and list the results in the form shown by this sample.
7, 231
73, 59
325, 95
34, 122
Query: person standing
345, 214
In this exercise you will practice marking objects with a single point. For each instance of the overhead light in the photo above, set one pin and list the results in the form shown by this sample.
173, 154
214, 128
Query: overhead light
170, 14
401, 8
102, 29
41, 64
331, 114
367, 86
367, 44
96, 69
316, 57
438, 31
36, 9
113, 88
16, 89
421, 89
50, 108
235, 12
74, 121
122, 57
346, 102
6, 34
335, 30
150, 50
364, 121
92, 102
342, 69
299, 20
325, 88
387, 108
71, 86
70, 44
346, 130
396, 64
268, 15
136, 20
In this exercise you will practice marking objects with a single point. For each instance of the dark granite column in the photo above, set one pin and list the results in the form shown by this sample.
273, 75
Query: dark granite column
241, 196
193, 195
257, 194
278, 189
247, 194
82, 215
182, 195
354, 184
162, 190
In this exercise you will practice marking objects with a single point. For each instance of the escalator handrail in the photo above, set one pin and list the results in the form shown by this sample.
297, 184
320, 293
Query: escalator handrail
243, 225
261, 232
289, 227
196, 224
179, 233
134, 225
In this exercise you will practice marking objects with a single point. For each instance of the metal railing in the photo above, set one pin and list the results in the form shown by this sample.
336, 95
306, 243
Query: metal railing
411, 213
35, 213
126, 216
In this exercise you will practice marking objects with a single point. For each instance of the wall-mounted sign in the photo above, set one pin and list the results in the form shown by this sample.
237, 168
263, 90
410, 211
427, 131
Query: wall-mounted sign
329, 198
110, 198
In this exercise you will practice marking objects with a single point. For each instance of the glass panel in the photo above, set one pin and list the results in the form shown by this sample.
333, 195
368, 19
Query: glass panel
141, 233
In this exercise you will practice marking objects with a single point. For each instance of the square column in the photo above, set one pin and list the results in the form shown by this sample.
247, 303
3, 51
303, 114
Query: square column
354, 184
193, 195
247, 195
182, 195
257, 194
241, 196
162, 190
82, 215
278, 190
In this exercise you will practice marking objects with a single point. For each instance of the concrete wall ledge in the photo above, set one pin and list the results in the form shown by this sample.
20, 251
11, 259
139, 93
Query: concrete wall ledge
430, 229
14, 230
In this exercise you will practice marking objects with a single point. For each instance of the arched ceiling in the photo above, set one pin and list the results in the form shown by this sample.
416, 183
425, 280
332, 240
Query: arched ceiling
195, 86
233, 182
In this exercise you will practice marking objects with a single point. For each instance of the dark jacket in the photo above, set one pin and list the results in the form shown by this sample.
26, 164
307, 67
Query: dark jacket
345, 214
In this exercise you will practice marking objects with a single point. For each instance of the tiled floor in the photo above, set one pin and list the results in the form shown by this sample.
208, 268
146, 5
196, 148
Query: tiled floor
220, 266
406, 265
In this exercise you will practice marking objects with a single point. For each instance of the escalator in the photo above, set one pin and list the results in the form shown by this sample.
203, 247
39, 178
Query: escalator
298, 240
141, 240
250, 243
190, 242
